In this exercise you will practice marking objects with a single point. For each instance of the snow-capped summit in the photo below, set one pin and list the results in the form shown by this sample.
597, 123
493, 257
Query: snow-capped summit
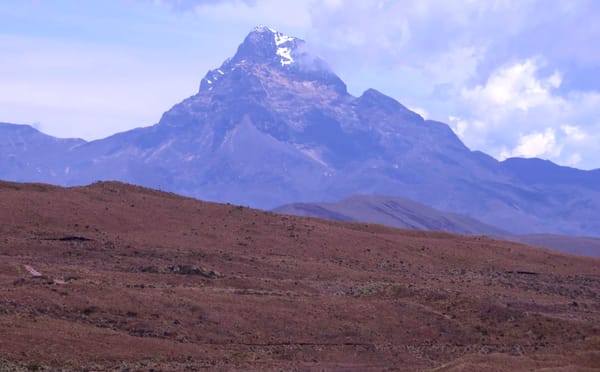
283, 43
264, 28
267, 44
264, 46
278, 36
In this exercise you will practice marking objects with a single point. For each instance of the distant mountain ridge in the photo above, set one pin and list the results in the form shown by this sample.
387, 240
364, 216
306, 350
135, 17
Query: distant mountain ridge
583, 246
408, 214
391, 211
274, 125
26, 154
544, 172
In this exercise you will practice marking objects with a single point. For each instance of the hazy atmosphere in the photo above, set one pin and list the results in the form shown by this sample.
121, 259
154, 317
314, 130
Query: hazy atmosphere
512, 78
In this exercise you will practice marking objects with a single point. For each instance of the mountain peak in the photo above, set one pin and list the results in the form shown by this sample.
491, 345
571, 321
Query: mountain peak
265, 44
267, 47
263, 28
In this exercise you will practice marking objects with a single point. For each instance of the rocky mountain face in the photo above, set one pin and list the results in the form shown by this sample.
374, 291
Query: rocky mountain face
274, 125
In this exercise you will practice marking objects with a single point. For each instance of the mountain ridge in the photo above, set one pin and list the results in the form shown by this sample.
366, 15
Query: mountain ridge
392, 211
404, 213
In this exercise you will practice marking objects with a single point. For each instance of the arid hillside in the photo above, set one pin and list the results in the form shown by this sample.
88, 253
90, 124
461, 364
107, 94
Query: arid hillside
118, 277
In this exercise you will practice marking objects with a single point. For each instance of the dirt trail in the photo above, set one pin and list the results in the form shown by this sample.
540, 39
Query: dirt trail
33, 272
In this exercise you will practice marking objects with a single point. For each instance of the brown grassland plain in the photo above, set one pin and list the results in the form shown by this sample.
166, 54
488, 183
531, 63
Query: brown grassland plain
138, 279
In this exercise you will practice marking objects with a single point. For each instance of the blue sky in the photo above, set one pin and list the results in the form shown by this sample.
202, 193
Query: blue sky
512, 78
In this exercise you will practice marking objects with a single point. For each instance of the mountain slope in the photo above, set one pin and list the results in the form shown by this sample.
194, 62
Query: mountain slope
26, 154
544, 172
405, 213
118, 277
391, 211
274, 125
583, 246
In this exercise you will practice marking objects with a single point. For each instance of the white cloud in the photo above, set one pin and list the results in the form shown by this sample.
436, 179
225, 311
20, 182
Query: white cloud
537, 144
458, 125
574, 133
516, 86
519, 111
574, 159
419, 111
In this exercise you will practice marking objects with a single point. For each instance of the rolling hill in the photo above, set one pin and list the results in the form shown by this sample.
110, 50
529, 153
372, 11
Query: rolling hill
391, 211
408, 214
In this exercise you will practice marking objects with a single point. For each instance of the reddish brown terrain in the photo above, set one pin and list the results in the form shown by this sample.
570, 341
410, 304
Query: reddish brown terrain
118, 277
